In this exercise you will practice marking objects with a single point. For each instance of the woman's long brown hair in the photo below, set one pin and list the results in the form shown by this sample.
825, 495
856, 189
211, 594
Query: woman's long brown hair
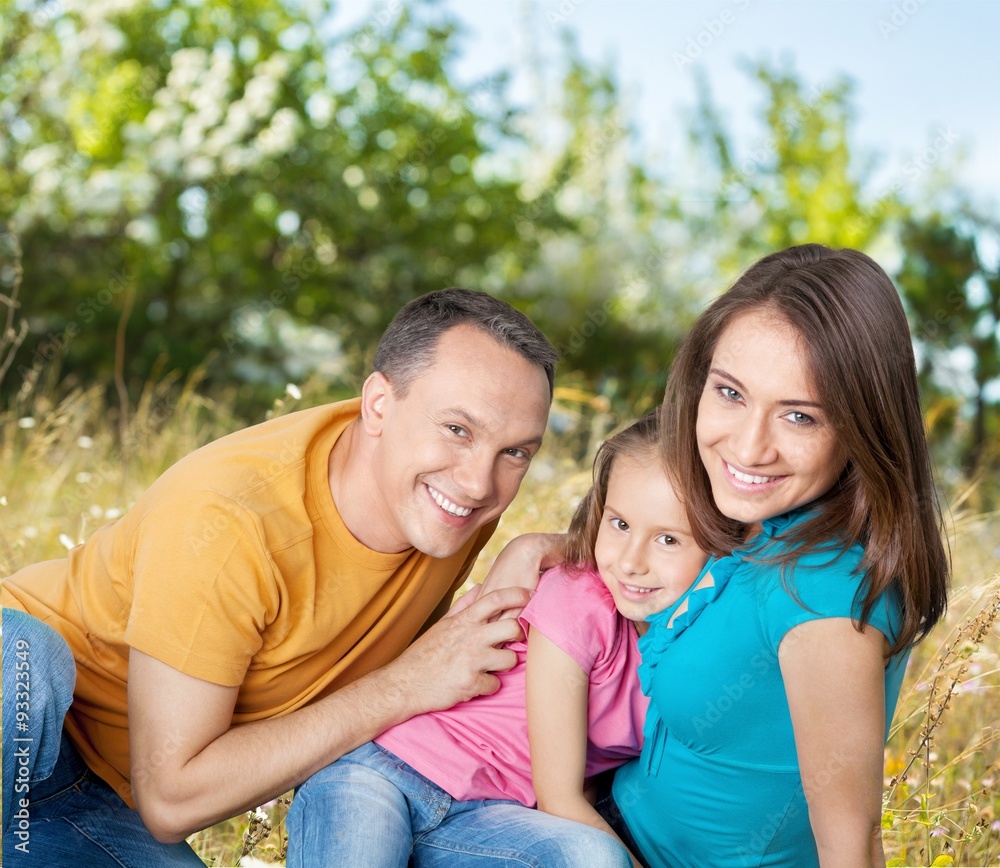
852, 324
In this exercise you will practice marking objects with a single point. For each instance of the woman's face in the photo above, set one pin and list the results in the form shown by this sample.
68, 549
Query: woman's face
767, 443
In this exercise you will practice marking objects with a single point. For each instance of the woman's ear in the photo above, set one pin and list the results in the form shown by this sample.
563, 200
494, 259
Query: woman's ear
376, 396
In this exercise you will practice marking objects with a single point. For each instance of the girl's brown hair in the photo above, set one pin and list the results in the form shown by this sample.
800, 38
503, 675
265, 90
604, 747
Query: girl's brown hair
851, 321
640, 440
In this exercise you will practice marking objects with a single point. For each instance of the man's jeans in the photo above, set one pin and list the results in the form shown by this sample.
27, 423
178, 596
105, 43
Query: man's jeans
372, 809
56, 812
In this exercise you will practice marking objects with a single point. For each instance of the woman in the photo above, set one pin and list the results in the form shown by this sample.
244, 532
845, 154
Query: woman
793, 427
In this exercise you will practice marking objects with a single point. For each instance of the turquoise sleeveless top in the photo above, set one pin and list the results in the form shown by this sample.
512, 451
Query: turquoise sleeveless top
718, 780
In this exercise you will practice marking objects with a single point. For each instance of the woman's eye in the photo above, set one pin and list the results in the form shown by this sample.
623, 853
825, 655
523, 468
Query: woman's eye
457, 429
797, 418
729, 394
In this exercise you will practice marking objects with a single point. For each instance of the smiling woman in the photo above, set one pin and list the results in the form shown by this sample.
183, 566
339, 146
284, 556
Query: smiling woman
793, 427
765, 440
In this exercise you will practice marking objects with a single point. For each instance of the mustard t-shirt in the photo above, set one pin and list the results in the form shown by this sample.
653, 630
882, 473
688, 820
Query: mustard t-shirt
234, 567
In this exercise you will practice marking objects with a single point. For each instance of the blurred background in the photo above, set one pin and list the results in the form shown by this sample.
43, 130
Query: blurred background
252, 189
210, 210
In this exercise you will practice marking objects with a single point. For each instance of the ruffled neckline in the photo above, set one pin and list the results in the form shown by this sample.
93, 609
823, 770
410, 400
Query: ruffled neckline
662, 632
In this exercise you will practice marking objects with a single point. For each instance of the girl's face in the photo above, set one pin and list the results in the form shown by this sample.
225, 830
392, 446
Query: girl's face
765, 440
644, 551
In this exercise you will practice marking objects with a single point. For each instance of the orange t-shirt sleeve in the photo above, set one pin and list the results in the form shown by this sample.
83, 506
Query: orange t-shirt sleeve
203, 588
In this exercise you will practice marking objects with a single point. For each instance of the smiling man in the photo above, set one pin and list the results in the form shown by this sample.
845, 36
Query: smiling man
250, 619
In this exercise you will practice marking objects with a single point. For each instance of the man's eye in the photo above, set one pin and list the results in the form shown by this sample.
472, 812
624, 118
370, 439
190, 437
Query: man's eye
518, 453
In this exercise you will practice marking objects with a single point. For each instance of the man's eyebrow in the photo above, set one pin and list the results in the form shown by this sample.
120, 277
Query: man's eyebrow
465, 416
795, 403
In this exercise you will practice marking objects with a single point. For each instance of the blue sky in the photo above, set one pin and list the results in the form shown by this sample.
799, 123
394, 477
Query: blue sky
926, 71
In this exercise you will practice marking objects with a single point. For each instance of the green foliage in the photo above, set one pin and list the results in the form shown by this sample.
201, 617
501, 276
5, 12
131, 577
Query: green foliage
954, 298
220, 173
801, 183
215, 181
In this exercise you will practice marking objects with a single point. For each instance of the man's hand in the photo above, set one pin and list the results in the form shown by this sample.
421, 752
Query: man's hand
189, 766
454, 660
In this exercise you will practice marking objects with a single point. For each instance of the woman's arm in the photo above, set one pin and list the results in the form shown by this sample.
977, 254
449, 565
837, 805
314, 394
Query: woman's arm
835, 682
557, 689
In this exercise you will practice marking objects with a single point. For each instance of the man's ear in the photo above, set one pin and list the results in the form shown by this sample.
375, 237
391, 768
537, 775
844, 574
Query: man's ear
376, 396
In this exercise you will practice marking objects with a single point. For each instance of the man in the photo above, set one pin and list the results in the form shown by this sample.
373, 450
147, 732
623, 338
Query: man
242, 625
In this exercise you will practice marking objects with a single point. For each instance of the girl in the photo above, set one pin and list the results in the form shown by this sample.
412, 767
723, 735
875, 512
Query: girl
793, 428
448, 787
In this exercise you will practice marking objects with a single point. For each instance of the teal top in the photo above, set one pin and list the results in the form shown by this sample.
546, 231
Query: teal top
718, 780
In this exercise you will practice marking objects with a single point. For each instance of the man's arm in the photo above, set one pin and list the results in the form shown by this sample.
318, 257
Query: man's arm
191, 768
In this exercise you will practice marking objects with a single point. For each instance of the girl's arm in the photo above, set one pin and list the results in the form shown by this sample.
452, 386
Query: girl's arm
557, 690
835, 682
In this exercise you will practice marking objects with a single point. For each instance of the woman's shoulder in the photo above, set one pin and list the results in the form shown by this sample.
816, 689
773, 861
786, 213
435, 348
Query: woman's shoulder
824, 581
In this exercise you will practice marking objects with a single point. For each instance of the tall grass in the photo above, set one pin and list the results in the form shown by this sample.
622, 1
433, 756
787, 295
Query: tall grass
69, 463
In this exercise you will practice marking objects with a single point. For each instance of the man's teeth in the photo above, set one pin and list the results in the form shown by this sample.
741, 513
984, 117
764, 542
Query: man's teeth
447, 505
747, 477
637, 590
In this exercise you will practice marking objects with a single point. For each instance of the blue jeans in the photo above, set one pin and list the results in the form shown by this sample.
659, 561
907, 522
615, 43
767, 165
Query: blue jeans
56, 812
370, 808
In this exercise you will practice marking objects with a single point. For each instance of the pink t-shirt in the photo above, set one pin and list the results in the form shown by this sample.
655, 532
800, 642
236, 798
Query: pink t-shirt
479, 749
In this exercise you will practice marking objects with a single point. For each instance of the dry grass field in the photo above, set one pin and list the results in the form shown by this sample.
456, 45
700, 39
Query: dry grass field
69, 463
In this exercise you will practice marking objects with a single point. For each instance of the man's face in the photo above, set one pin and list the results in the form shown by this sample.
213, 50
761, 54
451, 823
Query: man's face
451, 454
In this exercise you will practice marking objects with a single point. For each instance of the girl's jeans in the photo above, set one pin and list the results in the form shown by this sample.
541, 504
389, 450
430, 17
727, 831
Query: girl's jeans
372, 809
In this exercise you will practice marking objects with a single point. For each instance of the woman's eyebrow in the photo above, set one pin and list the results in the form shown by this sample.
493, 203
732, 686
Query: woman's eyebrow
793, 403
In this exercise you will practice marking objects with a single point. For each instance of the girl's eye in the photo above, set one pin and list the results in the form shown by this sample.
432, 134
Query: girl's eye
619, 524
667, 540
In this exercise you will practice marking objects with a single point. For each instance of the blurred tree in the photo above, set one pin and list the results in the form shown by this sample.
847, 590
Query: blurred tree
608, 291
954, 300
238, 179
248, 188
799, 183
